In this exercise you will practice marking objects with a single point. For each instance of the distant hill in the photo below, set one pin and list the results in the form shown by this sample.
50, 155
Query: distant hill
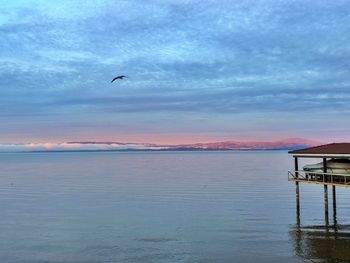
287, 144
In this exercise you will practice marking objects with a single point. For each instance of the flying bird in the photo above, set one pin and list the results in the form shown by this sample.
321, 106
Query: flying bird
118, 77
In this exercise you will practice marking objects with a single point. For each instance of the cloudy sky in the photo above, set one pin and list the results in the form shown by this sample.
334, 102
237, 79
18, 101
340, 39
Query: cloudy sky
198, 70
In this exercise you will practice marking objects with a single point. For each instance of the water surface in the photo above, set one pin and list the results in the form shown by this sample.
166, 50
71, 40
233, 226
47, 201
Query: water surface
163, 207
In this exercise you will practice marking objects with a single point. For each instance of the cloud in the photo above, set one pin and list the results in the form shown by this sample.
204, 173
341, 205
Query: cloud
204, 57
38, 147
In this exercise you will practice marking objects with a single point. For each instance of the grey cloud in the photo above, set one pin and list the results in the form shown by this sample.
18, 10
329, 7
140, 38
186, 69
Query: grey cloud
182, 56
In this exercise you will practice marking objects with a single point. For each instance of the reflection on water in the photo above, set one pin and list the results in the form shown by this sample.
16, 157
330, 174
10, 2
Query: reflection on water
322, 243
328, 243
161, 207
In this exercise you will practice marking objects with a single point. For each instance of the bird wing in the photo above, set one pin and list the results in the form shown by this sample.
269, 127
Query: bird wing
118, 77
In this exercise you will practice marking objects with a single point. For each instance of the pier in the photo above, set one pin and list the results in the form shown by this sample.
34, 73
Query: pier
327, 175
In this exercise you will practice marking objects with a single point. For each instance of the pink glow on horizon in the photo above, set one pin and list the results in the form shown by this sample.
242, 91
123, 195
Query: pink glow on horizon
173, 137
163, 139
108, 145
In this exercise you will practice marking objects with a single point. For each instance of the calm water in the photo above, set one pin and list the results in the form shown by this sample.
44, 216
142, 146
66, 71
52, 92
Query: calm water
163, 207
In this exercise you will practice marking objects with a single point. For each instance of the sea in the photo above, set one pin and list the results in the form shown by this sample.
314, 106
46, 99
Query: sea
233, 206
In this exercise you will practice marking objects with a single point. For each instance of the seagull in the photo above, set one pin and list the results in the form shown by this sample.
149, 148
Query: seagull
118, 77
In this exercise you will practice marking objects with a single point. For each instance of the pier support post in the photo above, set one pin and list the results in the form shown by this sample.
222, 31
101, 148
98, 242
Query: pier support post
334, 206
297, 201
325, 191
325, 177
296, 168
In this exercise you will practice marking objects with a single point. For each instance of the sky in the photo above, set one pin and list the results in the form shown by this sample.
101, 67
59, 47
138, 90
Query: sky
198, 71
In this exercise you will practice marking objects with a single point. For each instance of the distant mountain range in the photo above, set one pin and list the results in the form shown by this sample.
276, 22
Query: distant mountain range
287, 144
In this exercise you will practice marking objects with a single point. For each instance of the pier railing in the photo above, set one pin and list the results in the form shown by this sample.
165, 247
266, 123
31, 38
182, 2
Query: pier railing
319, 178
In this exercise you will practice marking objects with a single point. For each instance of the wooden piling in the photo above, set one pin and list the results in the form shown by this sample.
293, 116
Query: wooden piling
326, 214
334, 205
296, 168
325, 192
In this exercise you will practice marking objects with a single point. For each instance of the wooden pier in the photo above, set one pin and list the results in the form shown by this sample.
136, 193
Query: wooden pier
334, 151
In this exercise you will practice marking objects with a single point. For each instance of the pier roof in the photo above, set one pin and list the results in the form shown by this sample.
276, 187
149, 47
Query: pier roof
339, 150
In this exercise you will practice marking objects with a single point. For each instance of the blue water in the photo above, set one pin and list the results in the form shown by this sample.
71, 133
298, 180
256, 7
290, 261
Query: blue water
164, 207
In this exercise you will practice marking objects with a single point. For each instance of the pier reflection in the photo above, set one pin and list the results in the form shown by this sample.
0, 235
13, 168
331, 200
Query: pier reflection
321, 243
